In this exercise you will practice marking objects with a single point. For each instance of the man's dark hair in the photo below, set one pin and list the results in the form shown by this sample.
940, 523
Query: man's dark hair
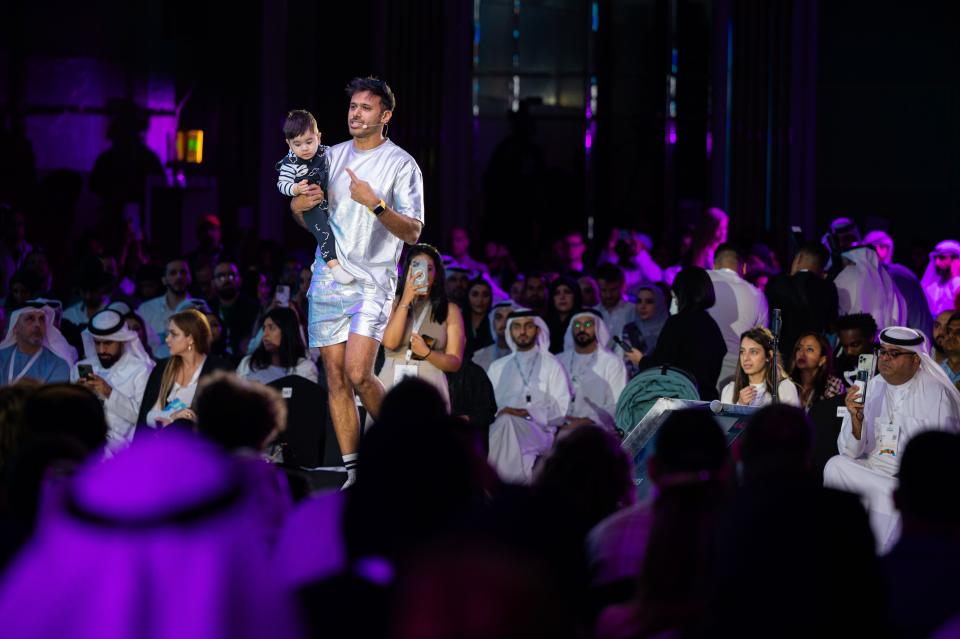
693, 289
726, 251
954, 318
777, 441
689, 441
291, 350
862, 322
609, 272
236, 413
816, 252
299, 122
927, 478
375, 86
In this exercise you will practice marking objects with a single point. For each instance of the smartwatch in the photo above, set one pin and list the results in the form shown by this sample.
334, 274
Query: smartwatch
379, 208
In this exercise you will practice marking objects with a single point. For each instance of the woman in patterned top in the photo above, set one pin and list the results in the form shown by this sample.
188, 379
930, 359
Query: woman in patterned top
811, 369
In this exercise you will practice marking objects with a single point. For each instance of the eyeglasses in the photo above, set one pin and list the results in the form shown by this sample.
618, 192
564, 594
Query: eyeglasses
225, 276
884, 353
586, 324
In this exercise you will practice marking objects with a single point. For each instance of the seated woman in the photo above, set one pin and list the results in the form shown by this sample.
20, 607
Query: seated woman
563, 299
812, 363
168, 396
424, 336
754, 379
691, 339
650, 314
476, 313
281, 351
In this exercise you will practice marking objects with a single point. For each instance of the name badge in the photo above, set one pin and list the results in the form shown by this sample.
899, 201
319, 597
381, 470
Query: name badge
402, 371
889, 435
286, 392
842, 411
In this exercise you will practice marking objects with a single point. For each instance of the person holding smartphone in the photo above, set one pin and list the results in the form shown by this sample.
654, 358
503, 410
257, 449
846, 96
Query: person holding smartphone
425, 335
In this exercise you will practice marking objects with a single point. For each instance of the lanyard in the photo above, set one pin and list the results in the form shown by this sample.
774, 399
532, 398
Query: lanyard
526, 378
13, 356
416, 327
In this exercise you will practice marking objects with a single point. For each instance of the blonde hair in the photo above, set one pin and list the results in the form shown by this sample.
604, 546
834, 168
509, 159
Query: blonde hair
194, 324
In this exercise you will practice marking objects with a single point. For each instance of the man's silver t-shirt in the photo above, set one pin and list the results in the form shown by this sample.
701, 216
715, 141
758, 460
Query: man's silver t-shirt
365, 248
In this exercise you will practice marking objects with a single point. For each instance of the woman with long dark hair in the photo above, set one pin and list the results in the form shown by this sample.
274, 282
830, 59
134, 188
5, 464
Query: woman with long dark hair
281, 351
753, 383
811, 369
424, 336
476, 315
564, 298
690, 339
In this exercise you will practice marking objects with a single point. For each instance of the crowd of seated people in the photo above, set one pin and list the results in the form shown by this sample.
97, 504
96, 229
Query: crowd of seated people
137, 395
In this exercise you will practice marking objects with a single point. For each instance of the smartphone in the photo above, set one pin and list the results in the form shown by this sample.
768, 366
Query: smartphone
85, 370
418, 272
622, 343
283, 295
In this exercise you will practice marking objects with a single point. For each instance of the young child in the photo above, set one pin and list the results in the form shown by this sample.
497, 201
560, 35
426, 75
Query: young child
307, 163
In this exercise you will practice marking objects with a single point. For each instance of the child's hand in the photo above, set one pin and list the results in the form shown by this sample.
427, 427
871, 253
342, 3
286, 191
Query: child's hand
300, 187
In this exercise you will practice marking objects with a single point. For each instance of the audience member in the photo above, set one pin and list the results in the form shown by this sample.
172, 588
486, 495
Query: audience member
456, 280
951, 348
460, 250
856, 336
157, 311
689, 452
563, 299
472, 398
812, 369
237, 312
237, 414
162, 515
535, 292
498, 325
533, 395
210, 250
941, 280
807, 300
912, 394
572, 253
676, 536
23, 286
424, 335
739, 306
116, 368
650, 313
173, 383
589, 291
616, 310
691, 339
281, 350
597, 376
476, 315
781, 545
759, 366
918, 314
939, 326
34, 348
864, 287
94, 283
922, 593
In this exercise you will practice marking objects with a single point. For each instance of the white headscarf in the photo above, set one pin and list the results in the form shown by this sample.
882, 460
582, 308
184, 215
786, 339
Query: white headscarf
603, 333
916, 342
493, 309
543, 335
869, 288
109, 325
878, 238
53, 339
930, 277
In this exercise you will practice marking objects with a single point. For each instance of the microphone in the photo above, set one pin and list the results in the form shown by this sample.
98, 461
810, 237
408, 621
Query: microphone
775, 323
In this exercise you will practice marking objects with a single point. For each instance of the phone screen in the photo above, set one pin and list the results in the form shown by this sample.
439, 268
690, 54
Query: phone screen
85, 370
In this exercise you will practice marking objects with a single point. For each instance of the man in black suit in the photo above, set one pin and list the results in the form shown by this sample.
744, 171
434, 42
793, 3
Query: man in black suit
807, 299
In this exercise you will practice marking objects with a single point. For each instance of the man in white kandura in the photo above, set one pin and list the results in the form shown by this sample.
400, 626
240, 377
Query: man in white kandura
119, 368
498, 327
533, 395
34, 348
596, 374
912, 394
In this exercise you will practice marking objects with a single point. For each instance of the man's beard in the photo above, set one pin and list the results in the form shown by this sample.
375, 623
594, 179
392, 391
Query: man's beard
582, 339
525, 344
938, 347
107, 360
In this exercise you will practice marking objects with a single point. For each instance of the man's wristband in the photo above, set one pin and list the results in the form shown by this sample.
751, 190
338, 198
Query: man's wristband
379, 208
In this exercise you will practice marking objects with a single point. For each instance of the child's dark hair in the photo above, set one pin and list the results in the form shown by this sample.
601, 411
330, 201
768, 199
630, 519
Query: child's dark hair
377, 87
299, 122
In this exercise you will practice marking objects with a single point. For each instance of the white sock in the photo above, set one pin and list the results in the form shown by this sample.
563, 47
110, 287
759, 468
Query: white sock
341, 275
351, 479
350, 463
